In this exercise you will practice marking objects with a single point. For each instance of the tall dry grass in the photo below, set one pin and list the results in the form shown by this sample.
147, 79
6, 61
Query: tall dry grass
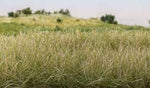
97, 60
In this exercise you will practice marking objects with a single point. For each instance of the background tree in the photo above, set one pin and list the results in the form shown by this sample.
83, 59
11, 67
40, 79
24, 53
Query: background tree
61, 11
67, 12
64, 12
42, 12
11, 14
27, 11
38, 12
108, 18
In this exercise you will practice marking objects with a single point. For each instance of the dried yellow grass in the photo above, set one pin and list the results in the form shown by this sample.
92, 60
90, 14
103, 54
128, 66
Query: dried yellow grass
106, 60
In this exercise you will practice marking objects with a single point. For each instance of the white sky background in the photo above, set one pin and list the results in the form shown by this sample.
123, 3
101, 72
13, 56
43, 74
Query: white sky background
130, 12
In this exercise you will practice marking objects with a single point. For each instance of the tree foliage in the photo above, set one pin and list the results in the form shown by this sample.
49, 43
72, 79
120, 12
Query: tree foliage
27, 11
65, 12
42, 12
10, 14
108, 18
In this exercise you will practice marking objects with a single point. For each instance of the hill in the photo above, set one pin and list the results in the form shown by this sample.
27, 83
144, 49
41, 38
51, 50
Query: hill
49, 23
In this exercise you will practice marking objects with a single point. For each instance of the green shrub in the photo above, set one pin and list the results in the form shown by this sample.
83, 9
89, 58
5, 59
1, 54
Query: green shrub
108, 18
11, 14
115, 22
59, 20
27, 11
38, 12
42, 12
61, 11
65, 12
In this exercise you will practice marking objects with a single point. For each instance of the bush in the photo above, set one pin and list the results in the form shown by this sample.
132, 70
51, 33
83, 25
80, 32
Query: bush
38, 12
61, 11
27, 11
42, 12
59, 20
108, 18
115, 22
11, 14
66, 12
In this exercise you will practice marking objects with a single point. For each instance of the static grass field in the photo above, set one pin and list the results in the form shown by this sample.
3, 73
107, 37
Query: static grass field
38, 52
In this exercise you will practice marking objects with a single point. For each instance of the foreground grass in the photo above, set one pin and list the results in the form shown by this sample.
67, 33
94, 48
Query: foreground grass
111, 59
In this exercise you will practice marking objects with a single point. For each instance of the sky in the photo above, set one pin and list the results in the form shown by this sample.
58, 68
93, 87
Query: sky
129, 12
